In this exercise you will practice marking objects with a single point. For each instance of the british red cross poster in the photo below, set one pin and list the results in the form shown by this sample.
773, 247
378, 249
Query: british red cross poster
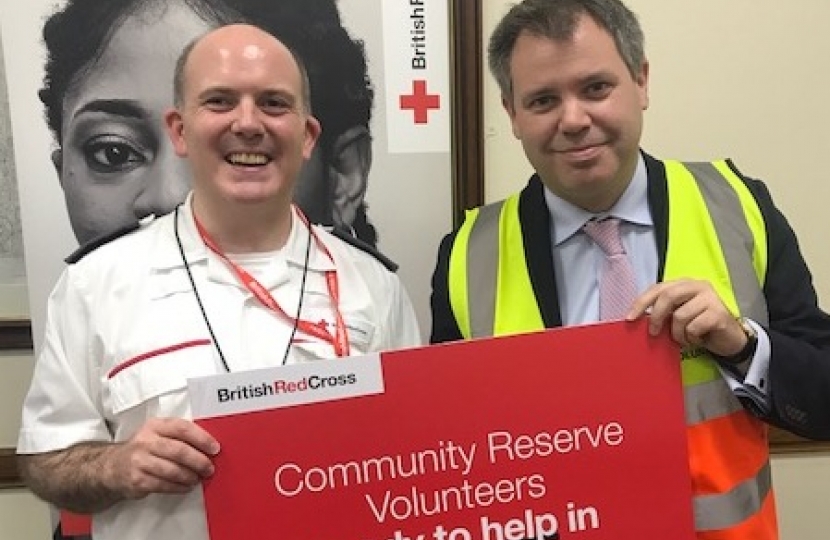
572, 433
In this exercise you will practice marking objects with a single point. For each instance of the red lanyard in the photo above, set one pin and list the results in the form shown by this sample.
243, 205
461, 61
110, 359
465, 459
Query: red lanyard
340, 340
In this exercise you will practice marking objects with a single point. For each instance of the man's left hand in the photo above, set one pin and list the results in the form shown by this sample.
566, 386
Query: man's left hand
697, 315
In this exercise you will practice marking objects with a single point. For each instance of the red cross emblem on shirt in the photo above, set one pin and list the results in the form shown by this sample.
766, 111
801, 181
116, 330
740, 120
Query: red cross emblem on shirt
420, 102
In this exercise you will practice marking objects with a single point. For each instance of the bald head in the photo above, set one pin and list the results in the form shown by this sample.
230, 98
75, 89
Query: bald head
242, 128
245, 40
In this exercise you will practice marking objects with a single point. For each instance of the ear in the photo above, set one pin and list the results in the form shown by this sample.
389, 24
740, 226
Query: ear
175, 131
312, 133
57, 163
349, 173
507, 103
642, 82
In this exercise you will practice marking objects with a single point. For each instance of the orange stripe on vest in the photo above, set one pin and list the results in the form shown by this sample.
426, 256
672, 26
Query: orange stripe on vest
717, 465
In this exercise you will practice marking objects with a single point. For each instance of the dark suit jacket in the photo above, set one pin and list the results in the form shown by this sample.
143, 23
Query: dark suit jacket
799, 331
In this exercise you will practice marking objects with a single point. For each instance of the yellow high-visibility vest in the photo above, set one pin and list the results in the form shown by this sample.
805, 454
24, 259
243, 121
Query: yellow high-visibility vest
716, 232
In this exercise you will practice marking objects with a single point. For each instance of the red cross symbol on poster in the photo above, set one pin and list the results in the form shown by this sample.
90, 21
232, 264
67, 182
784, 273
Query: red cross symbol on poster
420, 101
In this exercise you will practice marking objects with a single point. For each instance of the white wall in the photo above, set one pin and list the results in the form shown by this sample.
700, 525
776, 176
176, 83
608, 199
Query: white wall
744, 79
22, 516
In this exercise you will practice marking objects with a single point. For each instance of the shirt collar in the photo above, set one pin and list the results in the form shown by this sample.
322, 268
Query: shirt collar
169, 255
632, 206
196, 251
298, 241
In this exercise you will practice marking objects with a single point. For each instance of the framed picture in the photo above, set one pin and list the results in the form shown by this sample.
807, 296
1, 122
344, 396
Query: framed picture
15, 335
15, 327
454, 181
413, 181
14, 304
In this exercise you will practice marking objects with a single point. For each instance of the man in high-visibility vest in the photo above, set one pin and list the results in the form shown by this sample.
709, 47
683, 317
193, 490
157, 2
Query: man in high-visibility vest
709, 255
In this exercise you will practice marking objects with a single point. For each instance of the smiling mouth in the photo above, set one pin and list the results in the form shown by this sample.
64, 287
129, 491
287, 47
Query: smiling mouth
248, 159
578, 149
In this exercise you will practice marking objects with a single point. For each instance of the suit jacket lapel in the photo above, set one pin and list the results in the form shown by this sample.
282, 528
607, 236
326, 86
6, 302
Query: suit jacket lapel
658, 203
535, 219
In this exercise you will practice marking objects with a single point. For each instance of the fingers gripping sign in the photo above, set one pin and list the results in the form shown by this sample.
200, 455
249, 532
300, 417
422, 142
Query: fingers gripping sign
167, 455
694, 313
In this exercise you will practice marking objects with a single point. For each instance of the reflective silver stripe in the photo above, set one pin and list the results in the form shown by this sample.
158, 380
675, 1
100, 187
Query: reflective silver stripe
709, 400
483, 269
714, 512
734, 236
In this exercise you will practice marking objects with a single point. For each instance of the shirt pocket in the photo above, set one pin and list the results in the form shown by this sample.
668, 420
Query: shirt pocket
305, 348
145, 379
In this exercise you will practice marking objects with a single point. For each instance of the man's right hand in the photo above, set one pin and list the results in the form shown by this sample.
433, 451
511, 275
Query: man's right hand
167, 455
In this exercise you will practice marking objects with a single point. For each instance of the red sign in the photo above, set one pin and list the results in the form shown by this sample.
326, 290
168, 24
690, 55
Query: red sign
577, 432
75, 524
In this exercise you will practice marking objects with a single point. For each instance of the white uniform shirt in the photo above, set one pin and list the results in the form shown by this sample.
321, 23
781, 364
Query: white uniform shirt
124, 332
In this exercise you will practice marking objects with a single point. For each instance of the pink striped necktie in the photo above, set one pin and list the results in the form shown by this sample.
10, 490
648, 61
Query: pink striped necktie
617, 284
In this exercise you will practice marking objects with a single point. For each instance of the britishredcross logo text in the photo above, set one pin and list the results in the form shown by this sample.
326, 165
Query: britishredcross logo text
284, 386
418, 35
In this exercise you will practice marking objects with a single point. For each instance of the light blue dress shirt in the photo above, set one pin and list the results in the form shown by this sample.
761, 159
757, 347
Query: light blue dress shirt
577, 262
